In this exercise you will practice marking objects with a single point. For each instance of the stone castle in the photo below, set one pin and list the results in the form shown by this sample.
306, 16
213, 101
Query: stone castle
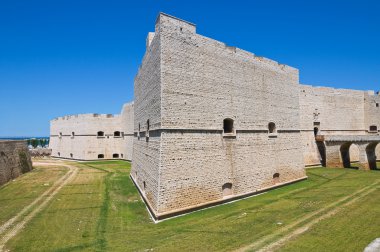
211, 123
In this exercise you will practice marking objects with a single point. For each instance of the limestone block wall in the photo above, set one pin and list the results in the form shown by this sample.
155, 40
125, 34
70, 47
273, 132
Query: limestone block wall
147, 121
76, 136
202, 82
14, 160
333, 112
127, 121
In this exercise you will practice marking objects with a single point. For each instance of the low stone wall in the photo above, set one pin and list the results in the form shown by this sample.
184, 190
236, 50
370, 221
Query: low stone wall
40, 152
14, 160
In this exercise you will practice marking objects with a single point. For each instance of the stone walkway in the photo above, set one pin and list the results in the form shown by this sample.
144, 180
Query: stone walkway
374, 246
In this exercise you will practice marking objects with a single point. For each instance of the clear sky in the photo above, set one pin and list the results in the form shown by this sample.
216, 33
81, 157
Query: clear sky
69, 57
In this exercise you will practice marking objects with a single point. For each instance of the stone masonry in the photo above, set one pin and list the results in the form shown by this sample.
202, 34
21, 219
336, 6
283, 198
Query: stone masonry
187, 88
14, 160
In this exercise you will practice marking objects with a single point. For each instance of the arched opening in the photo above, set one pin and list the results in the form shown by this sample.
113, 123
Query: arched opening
316, 131
60, 134
276, 178
227, 189
59, 154
117, 134
271, 128
373, 128
349, 155
100, 134
322, 152
122, 155
101, 156
115, 155
371, 155
228, 126
71, 155
72, 134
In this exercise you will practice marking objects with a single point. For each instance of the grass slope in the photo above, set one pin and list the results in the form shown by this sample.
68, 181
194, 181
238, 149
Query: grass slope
101, 211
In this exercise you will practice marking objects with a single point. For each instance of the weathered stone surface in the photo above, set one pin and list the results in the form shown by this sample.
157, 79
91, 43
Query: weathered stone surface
14, 160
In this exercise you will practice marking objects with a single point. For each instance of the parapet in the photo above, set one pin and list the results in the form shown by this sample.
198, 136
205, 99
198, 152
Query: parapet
85, 116
164, 20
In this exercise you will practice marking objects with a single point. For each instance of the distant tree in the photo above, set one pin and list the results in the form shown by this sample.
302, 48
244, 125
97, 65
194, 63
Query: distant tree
29, 142
47, 142
34, 142
42, 142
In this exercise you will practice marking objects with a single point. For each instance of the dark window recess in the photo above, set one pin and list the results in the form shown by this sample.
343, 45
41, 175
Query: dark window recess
115, 155
101, 156
272, 127
373, 128
100, 134
228, 126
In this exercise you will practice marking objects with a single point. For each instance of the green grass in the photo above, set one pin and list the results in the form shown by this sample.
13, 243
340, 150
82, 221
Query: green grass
101, 211
17, 194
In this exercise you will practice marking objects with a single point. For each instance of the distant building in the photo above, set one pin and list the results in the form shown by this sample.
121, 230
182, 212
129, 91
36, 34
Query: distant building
93, 136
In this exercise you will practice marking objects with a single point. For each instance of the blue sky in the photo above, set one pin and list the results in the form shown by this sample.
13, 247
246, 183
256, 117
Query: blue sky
68, 57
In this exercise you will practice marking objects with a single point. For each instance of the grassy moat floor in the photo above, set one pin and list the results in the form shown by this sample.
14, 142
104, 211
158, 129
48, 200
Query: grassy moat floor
99, 209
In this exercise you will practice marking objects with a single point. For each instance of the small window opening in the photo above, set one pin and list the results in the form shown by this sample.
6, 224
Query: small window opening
122, 155
100, 134
147, 129
71, 154
72, 134
101, 156
115, 155
276, 178
117, 134
272, 127
377, 105
181, 29
144, 186
138, 132
373, 128
60, 134
59, 154
227, 189
228, 126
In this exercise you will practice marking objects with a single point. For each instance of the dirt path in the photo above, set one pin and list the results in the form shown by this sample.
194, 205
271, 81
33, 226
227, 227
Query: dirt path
10, 228
310, 219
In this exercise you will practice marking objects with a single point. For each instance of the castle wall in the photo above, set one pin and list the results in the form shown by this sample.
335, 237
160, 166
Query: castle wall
76, 136
146, 143
14, 160
127, 122
203, 82
334, 112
